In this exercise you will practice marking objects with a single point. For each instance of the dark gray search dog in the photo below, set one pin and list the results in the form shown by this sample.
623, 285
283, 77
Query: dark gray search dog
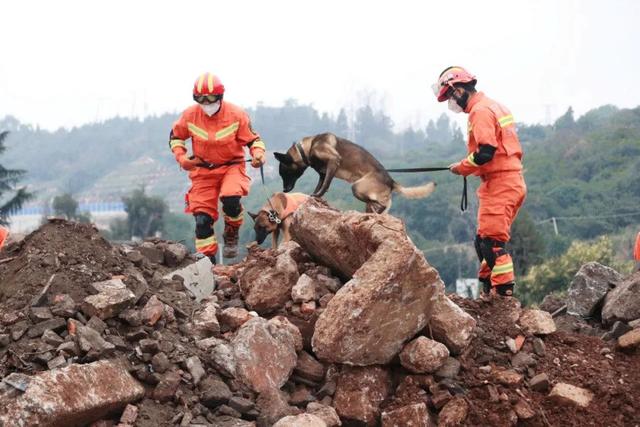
332, 156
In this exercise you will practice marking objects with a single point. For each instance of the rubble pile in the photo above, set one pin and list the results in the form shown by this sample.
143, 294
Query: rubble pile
347, 324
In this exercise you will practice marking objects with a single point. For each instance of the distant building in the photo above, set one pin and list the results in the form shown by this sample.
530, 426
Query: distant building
468, 288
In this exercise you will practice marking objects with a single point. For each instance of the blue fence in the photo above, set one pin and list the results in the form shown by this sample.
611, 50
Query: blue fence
92, 207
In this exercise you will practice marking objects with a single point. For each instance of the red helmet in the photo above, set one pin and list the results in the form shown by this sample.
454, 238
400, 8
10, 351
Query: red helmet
448, 78
208, 84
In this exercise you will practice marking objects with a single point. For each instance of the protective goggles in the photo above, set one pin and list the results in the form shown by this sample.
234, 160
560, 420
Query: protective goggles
438, 87
206, 99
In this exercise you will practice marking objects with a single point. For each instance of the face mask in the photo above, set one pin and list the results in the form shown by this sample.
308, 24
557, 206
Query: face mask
453, 106
210, 109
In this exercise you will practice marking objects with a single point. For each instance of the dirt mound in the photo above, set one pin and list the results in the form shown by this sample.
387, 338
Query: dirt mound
580, 360
207, 363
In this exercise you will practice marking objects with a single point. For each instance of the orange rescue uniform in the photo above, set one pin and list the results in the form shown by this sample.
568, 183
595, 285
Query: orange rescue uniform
218, 140
4, 233
502, 190
636, 249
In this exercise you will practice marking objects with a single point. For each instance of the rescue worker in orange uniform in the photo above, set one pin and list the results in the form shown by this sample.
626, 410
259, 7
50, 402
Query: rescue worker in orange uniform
4, 234
219, 133
494, 155
636, 252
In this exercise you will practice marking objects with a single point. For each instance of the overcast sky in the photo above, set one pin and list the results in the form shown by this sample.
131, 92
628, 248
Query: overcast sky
65, 63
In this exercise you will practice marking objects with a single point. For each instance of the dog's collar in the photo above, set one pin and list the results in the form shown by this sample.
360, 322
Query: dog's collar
305, 159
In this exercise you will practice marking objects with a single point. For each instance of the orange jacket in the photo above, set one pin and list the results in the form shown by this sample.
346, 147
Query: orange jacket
636, 249
492, 124
4, 233
293, 201
217, 139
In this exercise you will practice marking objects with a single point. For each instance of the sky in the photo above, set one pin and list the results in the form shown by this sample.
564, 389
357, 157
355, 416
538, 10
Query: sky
67, 63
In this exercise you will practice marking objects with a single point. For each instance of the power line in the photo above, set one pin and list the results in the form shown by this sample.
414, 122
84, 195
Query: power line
587, 217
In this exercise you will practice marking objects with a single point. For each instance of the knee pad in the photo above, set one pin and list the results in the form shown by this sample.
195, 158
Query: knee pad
204, 225
231, 206
487, 246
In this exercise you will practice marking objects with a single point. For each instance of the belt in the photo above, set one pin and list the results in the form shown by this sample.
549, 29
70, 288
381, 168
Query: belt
499, 174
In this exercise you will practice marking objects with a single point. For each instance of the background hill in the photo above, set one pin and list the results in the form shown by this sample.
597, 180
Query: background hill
582, 172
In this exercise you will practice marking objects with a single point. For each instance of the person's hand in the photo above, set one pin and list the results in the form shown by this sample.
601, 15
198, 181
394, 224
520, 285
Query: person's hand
258, 159
453, 167
188, 163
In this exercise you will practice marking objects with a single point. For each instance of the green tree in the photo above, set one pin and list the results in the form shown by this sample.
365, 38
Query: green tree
11, 197
556, 274
65, 205
527, 244
145, 213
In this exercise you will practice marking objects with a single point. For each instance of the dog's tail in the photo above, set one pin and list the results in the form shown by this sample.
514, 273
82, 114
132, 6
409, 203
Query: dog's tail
419, 192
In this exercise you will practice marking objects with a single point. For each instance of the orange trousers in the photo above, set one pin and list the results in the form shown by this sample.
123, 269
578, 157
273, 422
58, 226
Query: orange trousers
207, 186
636, 249
500, 197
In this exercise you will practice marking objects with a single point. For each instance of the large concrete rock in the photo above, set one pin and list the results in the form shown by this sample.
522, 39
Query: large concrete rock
72, 396
359, 393
264, 359
589, 286
623, 303
451, 325
266, 282
391, 292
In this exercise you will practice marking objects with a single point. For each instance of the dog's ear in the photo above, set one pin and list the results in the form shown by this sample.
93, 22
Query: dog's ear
253, 216
284, 158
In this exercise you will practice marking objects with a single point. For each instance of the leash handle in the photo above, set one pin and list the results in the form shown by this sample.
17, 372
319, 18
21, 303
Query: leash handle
464, 203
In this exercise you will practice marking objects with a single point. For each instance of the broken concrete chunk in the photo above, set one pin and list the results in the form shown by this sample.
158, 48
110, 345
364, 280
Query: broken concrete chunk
539, 383
623, 302
302, 420
166, 389
266, 285
197, 278
588, 288
451, 325
107, 285
109, 303
63, 306
537, 322
630, 340
309, 368
423, 355
55, 324
174, 254
194, 365
359, 393
233, 317
304, 290
263, 361
415, 415
153, 253
214, 392
568, 393
152, 311
453, 413
205, 321
73, 395
324, 412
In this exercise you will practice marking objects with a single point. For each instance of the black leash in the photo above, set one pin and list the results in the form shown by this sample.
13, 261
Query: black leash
464, 203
